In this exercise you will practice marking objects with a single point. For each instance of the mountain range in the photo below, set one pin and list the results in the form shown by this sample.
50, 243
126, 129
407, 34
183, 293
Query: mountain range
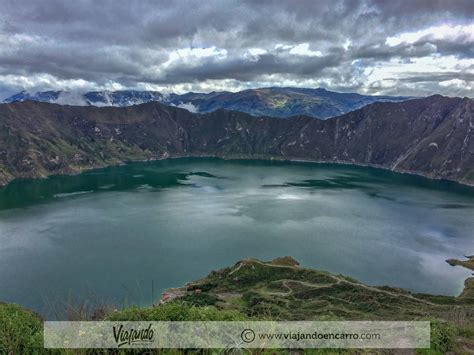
274, 101
432, 136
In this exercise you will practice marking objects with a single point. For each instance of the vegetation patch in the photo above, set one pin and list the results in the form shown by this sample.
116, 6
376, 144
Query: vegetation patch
21, 331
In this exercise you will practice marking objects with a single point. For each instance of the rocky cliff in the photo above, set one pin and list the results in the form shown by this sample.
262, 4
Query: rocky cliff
431, 136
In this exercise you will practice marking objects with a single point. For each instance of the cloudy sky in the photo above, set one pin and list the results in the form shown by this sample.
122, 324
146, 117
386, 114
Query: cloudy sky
378, 47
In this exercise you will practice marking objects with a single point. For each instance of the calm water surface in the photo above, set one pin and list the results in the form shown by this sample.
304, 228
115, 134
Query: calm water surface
121, 235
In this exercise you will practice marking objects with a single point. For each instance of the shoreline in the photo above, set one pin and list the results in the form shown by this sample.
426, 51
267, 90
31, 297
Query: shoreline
80, 170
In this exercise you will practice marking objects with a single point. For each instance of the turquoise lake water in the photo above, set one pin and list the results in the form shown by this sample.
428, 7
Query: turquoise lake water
122, 235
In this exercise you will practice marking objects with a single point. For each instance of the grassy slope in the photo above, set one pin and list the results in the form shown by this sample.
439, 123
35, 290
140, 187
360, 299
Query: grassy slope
280, 290
284, 291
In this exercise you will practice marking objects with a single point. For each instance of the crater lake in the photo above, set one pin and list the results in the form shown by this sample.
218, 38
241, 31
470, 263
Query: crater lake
121, 235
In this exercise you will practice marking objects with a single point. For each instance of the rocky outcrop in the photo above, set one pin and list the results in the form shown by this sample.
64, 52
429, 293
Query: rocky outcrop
431, 136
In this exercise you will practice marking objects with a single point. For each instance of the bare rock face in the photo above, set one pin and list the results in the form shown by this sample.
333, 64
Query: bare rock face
431, 136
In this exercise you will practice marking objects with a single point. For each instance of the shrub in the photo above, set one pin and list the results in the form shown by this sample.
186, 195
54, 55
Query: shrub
21, 331
443, 339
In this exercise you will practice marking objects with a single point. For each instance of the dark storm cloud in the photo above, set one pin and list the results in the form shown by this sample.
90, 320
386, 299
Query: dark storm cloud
384, 52
245, 70
439, 77
83, 43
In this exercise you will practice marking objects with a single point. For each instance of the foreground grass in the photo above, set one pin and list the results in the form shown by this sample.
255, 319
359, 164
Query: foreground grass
176, 311
21, 331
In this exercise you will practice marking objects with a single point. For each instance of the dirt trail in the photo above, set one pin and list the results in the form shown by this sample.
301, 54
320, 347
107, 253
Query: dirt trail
337, 281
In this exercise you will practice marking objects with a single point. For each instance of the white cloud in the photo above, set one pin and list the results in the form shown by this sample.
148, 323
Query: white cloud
188, 106
347, 44
303, 49
442, 32
431, 64
187, 54
453, 82
71, 98
418, 77
38, 82
253, 54
457, 84
283, 46
257, 51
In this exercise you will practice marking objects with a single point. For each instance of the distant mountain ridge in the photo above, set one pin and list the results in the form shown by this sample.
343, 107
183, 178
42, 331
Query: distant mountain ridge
284, 102
433, 137
92, 98
273, 101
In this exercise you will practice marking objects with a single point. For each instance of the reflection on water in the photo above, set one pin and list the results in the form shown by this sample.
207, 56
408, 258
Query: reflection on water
110, 234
